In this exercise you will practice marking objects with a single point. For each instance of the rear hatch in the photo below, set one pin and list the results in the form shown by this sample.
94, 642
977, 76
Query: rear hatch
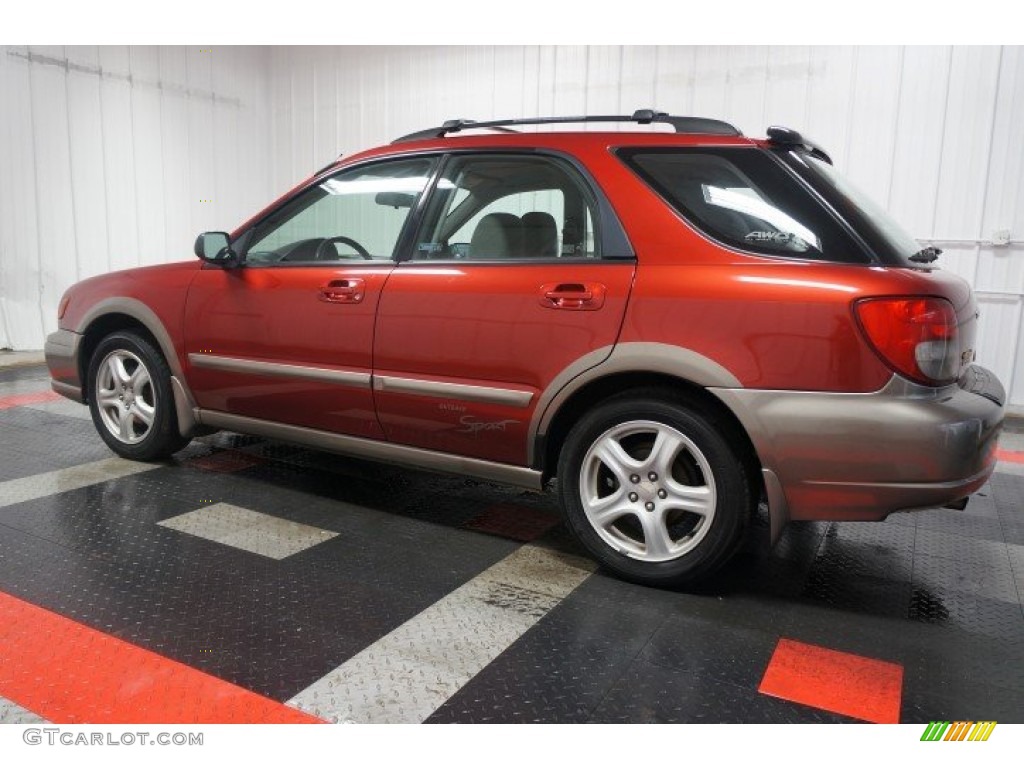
893, 246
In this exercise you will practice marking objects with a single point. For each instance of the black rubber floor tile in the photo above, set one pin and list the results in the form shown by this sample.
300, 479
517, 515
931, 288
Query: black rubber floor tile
960, 523
47, 425
1008, 495
25, 452
982, 503
874, 636
831, 586
970, 613
878, 550
104, 520
733, 653
780, 572
956, 547
550, 675
946, 659
26, 373
605, 608
1015, 553
649, 693
882, 538
991, 579
964, 701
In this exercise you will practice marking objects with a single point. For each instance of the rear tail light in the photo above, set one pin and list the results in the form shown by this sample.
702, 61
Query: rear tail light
917, 337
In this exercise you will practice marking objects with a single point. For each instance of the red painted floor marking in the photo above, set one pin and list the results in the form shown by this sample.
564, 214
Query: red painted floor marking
1014, 456
69, 673
867, 689
28, 398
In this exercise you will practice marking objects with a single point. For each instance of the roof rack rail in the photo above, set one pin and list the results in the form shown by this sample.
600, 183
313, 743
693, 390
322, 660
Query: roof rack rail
787, 137
641, 116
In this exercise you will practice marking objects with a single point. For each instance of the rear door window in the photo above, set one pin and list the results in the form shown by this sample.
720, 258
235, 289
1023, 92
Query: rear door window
743, 198
509, 207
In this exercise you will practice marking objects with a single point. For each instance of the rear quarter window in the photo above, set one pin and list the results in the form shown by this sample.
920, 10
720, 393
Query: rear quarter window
743, 198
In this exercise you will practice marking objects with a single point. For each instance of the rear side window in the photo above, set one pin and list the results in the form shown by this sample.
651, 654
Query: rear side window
509, 207
744, 198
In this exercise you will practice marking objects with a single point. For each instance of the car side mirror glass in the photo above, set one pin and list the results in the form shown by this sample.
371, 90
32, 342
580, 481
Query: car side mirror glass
215, 248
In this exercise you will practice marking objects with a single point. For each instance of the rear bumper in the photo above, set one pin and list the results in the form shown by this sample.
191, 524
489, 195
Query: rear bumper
864, 456
62, 359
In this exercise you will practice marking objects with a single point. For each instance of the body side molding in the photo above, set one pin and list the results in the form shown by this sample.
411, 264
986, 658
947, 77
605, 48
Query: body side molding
357, 379
518, 398
375, 450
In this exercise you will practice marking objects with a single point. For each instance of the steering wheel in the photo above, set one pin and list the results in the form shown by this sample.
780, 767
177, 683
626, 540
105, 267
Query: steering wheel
322, 255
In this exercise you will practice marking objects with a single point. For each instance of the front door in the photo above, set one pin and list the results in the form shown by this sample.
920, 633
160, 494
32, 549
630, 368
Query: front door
511, 281
288, 336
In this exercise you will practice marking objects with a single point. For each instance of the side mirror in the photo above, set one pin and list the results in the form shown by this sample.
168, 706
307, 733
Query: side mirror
215, 248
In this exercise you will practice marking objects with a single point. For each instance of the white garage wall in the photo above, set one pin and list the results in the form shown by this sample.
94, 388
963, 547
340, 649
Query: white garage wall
934, 133
98, 171
113, 157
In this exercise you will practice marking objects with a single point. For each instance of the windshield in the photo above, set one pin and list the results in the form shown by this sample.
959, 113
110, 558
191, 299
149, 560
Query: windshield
883, 234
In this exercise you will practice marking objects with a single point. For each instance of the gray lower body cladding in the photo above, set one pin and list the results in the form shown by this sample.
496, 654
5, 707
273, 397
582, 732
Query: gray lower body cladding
863, 456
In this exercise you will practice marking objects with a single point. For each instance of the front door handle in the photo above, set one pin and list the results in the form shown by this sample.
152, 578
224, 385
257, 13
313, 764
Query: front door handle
572, 296
348, 291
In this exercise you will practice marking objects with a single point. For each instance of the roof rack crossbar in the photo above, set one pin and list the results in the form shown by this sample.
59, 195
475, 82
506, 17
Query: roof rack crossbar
641, 117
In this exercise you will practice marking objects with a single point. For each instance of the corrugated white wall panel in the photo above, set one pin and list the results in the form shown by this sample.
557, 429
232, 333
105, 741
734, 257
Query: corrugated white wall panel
122, 215
20, 308
998, 324
829, 99
967, 138
116, 157
787, 86
147, 139
918, 135
55, 204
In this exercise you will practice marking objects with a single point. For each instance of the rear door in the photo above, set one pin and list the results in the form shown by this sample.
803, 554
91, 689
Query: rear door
518, 271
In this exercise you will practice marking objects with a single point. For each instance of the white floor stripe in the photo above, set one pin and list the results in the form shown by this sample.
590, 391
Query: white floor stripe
11, 713
406, 675
60, 480
246, 529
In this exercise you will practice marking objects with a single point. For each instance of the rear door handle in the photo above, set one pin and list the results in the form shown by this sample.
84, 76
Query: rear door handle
572, 296
348, 291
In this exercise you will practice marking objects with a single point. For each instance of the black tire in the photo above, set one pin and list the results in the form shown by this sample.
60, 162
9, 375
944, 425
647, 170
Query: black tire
646, 538
131, 401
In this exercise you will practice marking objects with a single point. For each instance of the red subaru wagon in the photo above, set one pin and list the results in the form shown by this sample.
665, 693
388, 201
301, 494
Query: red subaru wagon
675, 325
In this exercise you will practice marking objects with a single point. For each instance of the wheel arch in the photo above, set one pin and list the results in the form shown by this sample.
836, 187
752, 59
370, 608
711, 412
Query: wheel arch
600, 389
607, 372
123, 314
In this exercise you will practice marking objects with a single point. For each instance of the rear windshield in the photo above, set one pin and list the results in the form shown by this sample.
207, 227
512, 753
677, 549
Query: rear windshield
744, 198
885, 236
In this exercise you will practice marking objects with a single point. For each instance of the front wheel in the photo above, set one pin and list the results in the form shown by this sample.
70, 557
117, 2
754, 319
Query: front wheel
130, 398
654, 490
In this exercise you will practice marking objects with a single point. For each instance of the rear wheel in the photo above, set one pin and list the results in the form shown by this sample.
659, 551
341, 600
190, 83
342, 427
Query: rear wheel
130, 398
654, 489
